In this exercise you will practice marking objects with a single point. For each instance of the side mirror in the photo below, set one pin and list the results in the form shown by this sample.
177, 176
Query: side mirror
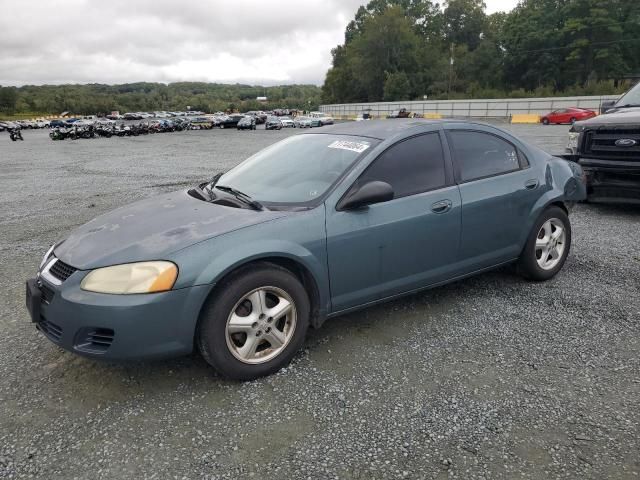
367, 194
606, 105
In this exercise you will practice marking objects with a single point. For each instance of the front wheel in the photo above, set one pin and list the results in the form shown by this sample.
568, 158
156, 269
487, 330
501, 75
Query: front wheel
255, 323
548, 246
545, 121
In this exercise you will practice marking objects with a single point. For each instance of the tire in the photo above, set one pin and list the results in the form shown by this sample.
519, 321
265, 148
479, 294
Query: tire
222, 125
223, 350
545, 121
550, 222
573, 120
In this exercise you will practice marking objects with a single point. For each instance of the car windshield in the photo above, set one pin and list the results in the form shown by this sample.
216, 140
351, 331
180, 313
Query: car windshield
296, 170
632, 97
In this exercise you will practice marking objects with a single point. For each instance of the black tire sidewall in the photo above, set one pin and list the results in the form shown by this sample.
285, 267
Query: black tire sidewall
211, 334
527, 264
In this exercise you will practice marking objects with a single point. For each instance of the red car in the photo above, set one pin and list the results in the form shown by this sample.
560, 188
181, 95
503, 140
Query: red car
568, 115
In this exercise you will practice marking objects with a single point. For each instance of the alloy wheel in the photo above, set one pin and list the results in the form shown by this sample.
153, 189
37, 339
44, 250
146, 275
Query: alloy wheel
261, 325
550, 244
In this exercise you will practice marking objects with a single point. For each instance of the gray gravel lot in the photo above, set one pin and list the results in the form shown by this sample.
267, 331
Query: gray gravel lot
491, 377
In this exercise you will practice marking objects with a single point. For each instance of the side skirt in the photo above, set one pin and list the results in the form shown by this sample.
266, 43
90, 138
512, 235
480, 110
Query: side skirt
415, 290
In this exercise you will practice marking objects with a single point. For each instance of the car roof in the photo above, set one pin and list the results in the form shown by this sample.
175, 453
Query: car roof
383, 129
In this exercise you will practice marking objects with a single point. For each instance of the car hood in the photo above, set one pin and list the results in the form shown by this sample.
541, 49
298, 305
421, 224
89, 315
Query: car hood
153, 228
622, 116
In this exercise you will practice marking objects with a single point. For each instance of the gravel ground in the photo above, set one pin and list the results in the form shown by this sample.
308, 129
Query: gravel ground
491, 377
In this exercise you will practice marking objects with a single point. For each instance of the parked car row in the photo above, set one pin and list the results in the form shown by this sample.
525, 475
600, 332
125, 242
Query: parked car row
109, 128
148, 115
23, 124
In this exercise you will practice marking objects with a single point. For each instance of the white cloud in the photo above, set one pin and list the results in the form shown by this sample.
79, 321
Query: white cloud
252, 41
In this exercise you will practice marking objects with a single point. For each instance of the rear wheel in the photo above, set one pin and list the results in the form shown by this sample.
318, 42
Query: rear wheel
573, 120
255, 324
548, 246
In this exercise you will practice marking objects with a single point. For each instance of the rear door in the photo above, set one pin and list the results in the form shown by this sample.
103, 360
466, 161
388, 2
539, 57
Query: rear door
498, 190
402, 244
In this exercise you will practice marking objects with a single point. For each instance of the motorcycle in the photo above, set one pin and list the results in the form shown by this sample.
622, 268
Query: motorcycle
15, 134
104, 131
59, 133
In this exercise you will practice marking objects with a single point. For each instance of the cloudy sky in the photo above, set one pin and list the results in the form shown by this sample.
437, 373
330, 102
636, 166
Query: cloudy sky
116, 41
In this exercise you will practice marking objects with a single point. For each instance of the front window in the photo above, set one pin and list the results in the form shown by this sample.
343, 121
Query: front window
632, 97
411, 166
297, 170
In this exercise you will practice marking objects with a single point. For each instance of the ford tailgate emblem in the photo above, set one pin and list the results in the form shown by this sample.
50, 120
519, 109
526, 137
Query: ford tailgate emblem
625, 142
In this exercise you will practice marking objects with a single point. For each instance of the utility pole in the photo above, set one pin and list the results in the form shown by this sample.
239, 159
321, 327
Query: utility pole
450, 72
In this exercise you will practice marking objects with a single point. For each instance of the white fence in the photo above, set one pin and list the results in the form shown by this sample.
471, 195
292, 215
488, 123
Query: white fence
489, 108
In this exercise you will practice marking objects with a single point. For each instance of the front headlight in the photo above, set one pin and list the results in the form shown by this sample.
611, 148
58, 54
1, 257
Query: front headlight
573, 140
141, 277
46, 256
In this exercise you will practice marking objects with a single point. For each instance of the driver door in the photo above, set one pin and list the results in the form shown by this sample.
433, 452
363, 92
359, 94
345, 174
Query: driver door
403, 244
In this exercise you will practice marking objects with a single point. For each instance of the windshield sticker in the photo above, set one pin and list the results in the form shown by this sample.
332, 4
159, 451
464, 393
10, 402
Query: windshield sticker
353, 146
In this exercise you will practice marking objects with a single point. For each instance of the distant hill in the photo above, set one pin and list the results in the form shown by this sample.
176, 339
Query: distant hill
132, 97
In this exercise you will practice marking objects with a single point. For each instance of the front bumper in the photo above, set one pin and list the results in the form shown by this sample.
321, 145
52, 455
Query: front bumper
118, 327
612, 181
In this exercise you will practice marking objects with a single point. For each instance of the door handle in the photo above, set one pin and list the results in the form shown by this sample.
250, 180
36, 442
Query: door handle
531, 184
442, 206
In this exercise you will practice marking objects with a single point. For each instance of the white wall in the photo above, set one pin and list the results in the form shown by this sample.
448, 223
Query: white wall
471, 108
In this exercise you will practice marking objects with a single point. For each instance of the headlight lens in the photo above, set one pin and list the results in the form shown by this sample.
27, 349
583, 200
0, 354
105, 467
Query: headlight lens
573, 140
141, 277
46, 256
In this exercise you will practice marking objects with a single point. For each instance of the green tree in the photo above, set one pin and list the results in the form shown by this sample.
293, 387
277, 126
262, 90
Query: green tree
386, 44
593, 36
464, 21
8, 99
396, 86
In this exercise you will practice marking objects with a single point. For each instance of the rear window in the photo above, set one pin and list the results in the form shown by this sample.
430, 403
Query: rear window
480, 155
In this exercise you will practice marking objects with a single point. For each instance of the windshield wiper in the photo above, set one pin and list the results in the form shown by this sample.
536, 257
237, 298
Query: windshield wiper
208, 187
243, 197
627, 105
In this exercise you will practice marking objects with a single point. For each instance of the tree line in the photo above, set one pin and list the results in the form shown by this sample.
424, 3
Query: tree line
408, 49
143, 97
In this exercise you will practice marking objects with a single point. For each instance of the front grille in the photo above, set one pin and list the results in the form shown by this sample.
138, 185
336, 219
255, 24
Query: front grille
94, 340
61, 270
601, 143
46, 294
51, 330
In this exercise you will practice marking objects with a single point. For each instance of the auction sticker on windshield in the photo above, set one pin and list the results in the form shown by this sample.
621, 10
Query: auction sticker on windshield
353, 146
